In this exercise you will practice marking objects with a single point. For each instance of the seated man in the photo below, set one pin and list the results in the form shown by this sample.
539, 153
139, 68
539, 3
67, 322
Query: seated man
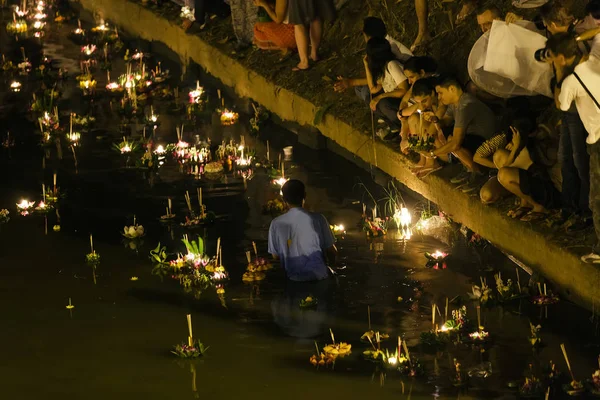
300, 239
419, 123
474, 123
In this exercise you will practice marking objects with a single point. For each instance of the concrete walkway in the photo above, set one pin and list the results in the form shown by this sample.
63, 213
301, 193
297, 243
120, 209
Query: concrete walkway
577, 281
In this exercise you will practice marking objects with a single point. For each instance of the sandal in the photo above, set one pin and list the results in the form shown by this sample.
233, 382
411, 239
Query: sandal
427, 171
533, 216
518, 213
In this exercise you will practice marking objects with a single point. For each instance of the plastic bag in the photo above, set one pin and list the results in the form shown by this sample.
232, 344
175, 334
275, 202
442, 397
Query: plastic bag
510, 54
488, 81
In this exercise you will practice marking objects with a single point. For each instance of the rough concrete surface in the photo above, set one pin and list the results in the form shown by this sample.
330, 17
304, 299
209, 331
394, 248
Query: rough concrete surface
576, 280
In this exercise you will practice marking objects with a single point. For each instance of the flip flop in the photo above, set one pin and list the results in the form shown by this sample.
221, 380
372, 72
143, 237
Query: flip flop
533, 216
518, 213
296, 69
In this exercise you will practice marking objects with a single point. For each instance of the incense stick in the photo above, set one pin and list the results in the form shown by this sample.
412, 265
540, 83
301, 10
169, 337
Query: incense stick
255, 252
332, 337
478, 318
564, 351
191, 336
446, 311
248, 257
369, 316
91, 243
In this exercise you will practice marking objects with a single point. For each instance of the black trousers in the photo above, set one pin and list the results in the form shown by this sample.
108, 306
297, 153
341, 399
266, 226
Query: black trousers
204, 7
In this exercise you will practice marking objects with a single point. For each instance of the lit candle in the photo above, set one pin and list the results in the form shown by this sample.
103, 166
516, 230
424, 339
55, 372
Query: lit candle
169, 206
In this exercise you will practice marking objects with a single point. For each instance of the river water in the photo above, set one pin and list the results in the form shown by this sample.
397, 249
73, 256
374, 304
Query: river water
116, 340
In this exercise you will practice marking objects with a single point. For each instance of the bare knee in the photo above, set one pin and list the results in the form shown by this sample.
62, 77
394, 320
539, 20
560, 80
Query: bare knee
504, 176
487, 196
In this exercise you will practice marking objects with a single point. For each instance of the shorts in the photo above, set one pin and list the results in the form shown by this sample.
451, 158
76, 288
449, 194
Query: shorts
472, 143
541, 190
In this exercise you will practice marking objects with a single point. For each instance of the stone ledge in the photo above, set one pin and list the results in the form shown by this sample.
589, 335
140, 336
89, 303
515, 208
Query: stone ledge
578, 281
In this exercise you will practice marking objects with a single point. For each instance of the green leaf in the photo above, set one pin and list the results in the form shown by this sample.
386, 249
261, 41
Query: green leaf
320, 114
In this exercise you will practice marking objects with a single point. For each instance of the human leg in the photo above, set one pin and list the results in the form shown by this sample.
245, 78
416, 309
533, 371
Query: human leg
302, 39
388, 108
570, 178
594, 201
316, 33
581, 160
509, 177
492, 191
422, 16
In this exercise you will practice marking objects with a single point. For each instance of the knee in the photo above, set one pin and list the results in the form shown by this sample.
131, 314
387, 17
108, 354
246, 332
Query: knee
487, 196
499, 158
504, 175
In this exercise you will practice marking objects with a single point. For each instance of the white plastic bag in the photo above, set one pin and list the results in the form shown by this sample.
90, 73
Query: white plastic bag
488, 81
510, 54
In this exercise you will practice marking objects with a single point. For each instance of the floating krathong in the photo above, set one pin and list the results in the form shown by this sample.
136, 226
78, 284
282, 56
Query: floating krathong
338, 229
187, 13
16, 26
309, 302
114, 87
280, 181
79, 31
133, 232
25, 206
100, 28
15, 86
4, 216
20, 13
37, 25
229, 117
436, 259
44, 207
214, 167
89, 49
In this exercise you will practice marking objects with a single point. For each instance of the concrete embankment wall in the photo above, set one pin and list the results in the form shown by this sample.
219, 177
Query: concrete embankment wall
577, 281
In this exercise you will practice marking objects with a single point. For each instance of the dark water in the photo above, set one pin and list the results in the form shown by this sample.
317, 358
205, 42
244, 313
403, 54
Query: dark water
116, 340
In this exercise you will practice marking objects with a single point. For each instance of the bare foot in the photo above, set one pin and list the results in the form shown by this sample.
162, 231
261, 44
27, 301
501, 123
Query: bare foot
315, 57
420, 41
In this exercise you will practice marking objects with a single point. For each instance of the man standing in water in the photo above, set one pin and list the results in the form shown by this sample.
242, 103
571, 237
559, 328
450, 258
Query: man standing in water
300, 239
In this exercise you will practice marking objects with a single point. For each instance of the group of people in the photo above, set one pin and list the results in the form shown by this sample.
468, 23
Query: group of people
505, 141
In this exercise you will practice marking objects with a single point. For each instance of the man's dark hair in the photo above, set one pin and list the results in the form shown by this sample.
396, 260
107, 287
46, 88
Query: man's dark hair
593, 9
555, 11
424, 86
374, 27
448, 81
421, 63
294, 192
489, 7
564, 43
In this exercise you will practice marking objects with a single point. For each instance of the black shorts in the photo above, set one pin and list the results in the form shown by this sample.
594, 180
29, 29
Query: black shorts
537, 186
472, 143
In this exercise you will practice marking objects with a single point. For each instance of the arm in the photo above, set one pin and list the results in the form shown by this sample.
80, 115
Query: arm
374, 87
516, 146
273, 243
346, 83
277, 13
485, 153
458, 135
406, 99
486, 162
331, 254
398, 93
410, 110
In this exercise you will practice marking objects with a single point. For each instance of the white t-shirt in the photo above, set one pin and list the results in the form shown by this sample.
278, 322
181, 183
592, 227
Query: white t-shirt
393, 76
571, 90
401, 52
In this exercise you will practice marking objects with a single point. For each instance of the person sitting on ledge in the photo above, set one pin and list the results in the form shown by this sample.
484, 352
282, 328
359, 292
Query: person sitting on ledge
415, 68
520, 174
374, 27
473, 122
274, 35
386, 82
425, 103
302, 240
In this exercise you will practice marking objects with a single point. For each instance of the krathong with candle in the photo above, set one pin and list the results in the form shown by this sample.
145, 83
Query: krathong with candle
228, 117
309, 302
481, 293
535, 339
371, 335
275, 207
84, 121
195, 95
134, 231
595, 382
340, 349
214, 167
374, 227
253, 273
338, 229
92, 259
261, 116
457, 322
420, 144
102, 27
24, 67
436, 260
227, 150
114, 87
545, 297
17, 27
44, 208
25, 207
126, 147
89, 49
15, 86
4, 216
259, 264
508, 290
193, 349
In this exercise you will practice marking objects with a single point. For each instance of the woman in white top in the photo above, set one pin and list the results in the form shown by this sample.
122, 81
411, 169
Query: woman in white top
386, 80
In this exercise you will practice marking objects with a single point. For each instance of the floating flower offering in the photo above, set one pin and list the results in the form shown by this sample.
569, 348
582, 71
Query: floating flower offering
544, 300
39, 16
479, 335
187, 13
574, 388
17, 26
43, 207
92, 259
100, 28
193, 350
19, 12
114, 87
228, 117
338, 229
4, 216
126, 147
371, 336
214, 167
340, 349
308, 302
38, 25
133, 231
436, 259
79, 31
280, 181
375, 228
25, 206
15, 86
89, 49
322, 360
160, 150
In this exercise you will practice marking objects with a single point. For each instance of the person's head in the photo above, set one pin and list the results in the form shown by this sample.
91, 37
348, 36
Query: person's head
556, 17
486, 16
423, 92
593, 10
525, 126
448, 90
373, 27
379, 54
294, 193
563, 49
419, 67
